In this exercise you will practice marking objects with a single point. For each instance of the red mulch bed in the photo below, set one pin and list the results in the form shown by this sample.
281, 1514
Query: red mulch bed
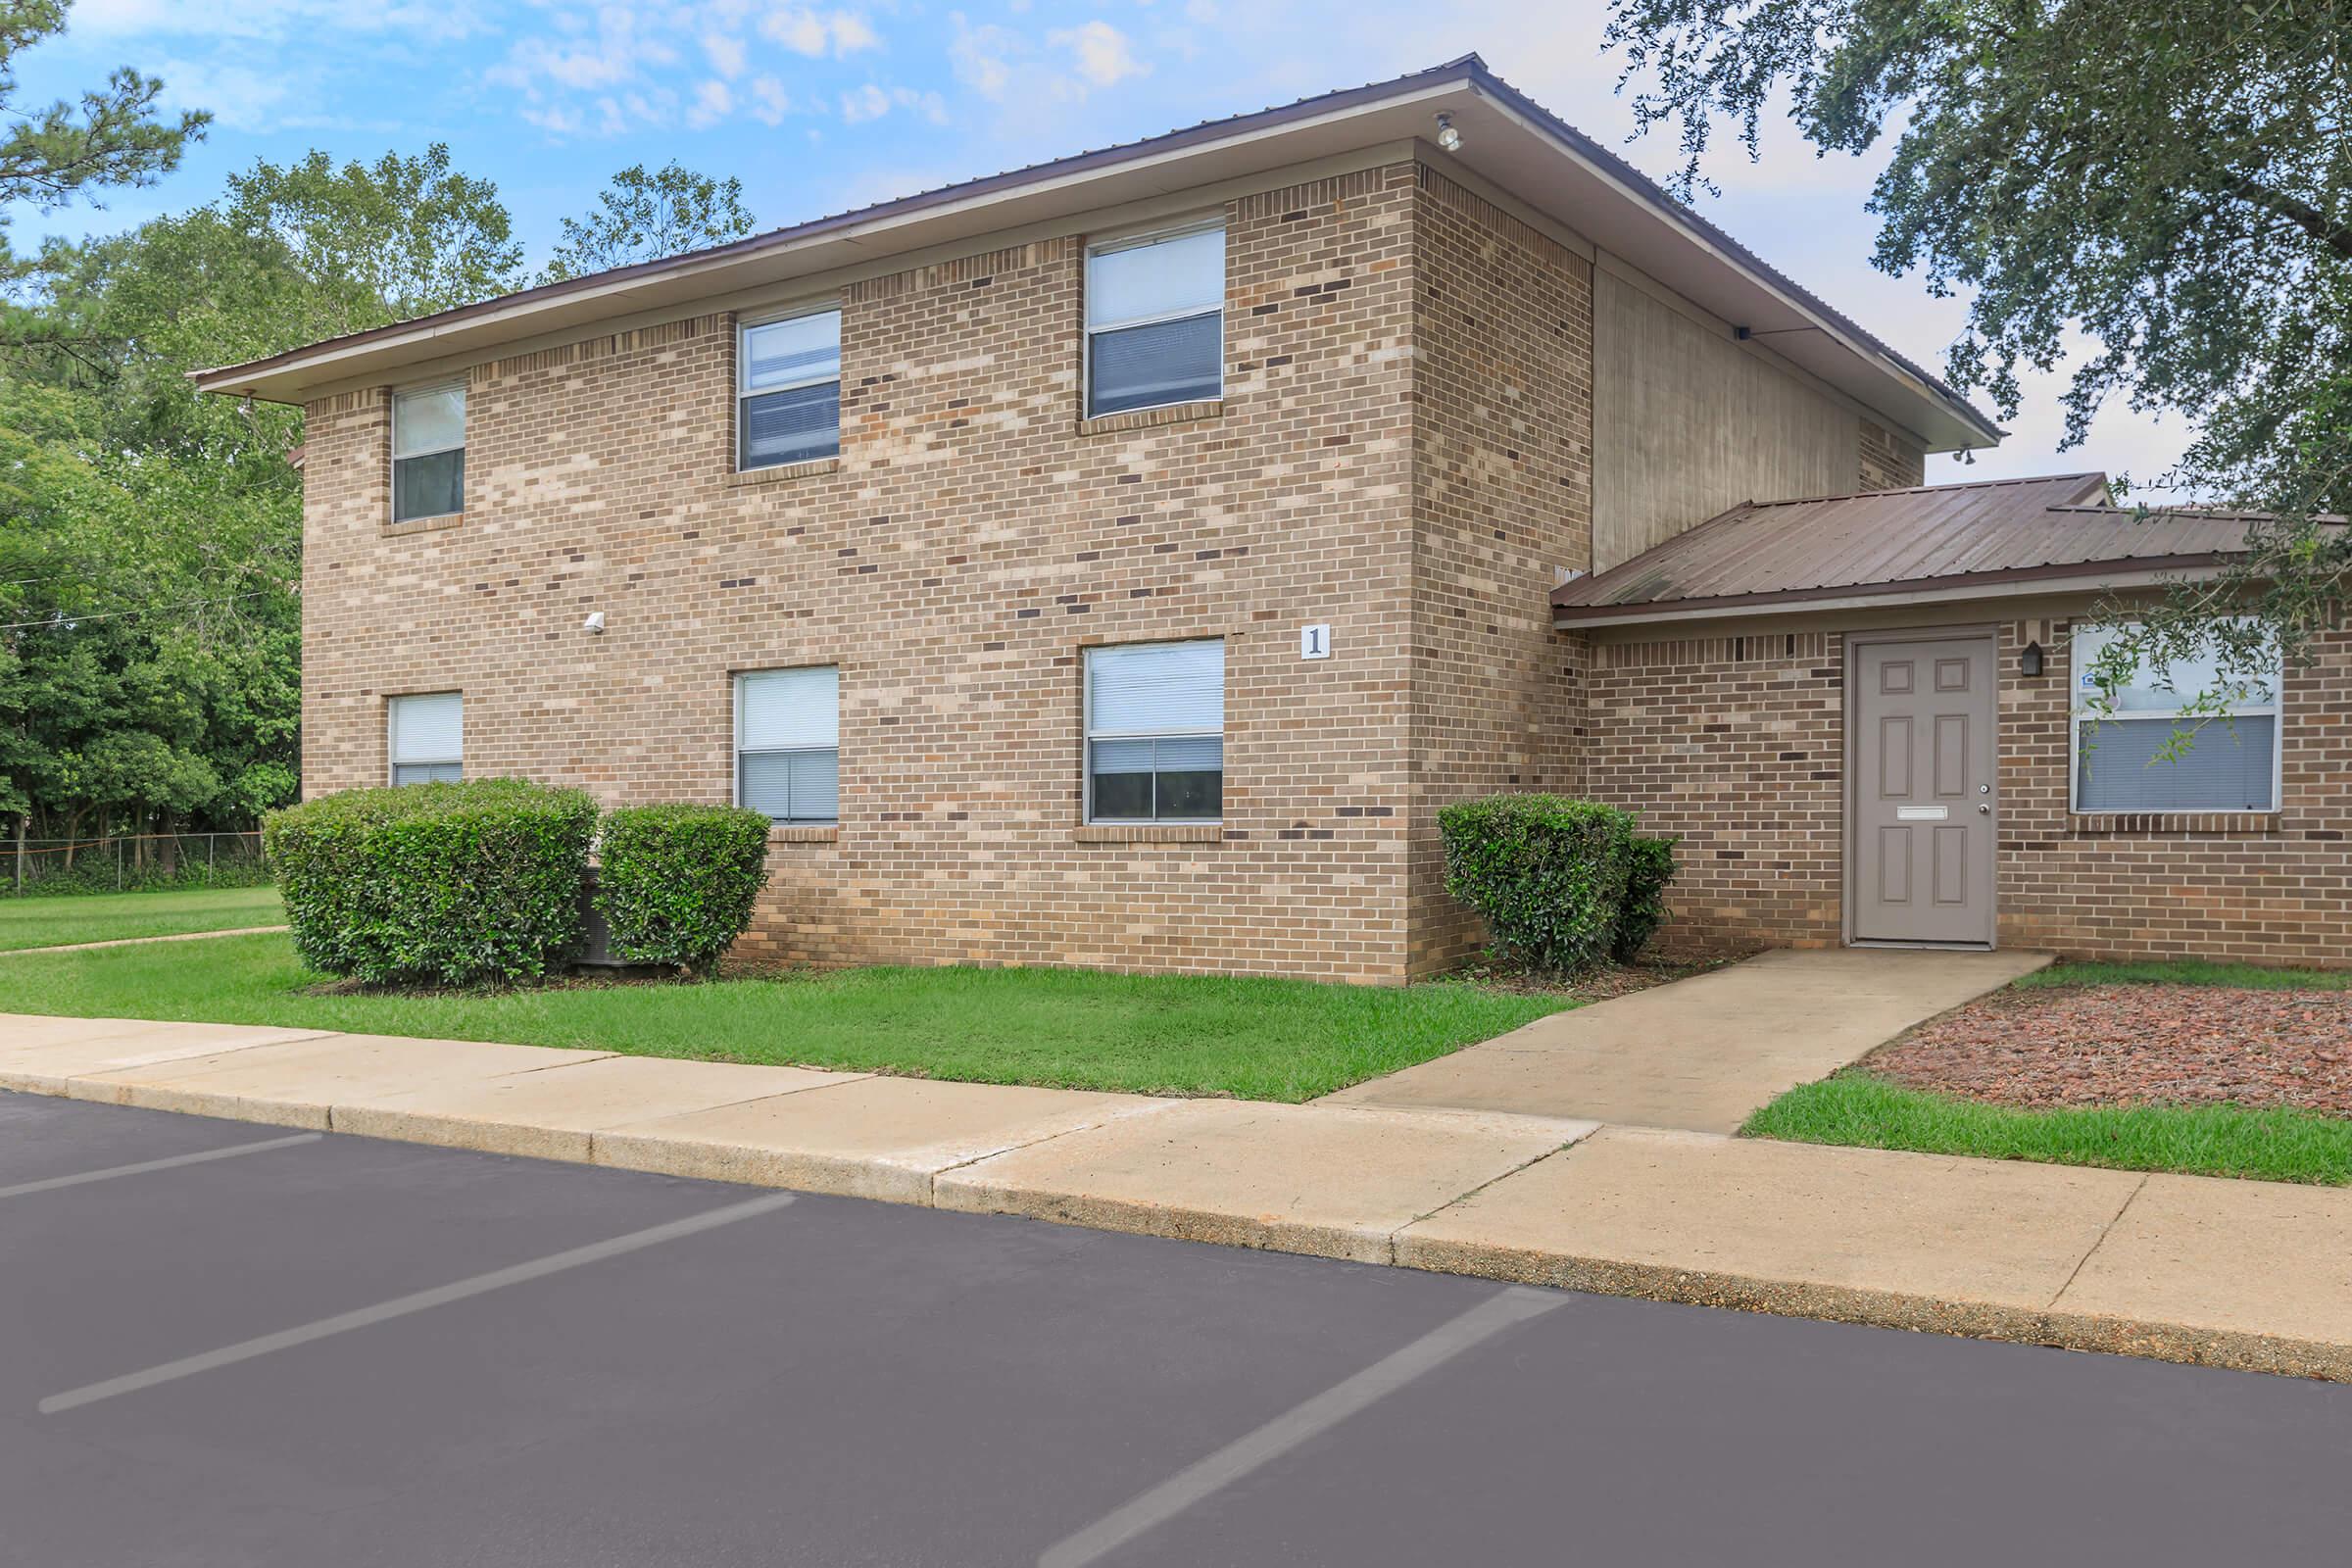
2135, 1044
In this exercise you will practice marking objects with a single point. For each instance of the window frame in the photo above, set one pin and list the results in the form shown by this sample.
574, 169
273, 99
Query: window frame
2078, 660
1087, 329
1089, 734
745, 326
460, 386
737, 680
392, 758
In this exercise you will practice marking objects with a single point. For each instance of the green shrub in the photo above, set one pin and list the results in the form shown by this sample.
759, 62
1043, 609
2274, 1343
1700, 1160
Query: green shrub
675, 884
442, 884
1649, 866
1548, 873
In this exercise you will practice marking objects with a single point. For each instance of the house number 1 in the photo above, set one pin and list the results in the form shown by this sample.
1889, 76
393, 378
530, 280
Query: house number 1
1314, 642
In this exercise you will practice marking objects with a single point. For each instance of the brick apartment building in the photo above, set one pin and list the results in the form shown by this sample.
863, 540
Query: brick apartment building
1119, 561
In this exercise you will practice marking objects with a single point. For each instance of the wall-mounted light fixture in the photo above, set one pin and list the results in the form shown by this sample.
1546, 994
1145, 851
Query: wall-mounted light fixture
1447, 138
2028, 661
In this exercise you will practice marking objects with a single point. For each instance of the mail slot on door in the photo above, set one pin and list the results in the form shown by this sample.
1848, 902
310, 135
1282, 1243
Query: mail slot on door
1923, 813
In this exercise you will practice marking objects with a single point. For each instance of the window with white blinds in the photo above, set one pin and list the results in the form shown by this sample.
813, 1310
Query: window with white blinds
2147, 753
428, 738
1155, 732
788, 390
1155, 320
788, 744
429, 452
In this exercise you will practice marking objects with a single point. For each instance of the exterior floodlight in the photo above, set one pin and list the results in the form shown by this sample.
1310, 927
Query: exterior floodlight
1447, 138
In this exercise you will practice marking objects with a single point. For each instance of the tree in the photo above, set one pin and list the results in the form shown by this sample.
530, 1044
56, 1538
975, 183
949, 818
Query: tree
642, 217
111, 138
151, 536
2175, 181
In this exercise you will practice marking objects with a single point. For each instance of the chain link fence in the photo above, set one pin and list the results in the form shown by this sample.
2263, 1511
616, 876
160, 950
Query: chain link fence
123, 861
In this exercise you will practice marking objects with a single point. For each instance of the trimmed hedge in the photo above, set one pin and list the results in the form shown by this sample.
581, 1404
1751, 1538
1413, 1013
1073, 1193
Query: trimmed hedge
676, 883
1563, 884
1648, 868
439, 883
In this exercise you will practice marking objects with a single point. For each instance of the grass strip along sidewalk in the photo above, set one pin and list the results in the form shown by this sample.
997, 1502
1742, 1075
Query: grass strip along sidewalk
1252, 1039
54, 920
1859, 1108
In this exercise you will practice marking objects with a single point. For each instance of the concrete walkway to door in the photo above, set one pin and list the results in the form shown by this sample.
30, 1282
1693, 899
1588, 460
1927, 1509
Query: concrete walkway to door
1701, 1054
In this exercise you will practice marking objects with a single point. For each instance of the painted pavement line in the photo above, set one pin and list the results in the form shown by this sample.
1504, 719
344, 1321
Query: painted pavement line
417, 1302
51, 1184
1509, 1307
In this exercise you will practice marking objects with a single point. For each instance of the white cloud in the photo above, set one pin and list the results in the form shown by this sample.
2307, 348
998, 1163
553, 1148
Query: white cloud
239, 97
1100, 52
725, 52
713, 103
816, 34
868, 102
981, 55
770, 103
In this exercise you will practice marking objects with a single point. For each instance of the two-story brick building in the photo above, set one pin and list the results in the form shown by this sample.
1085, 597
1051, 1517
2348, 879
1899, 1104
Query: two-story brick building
1117, 562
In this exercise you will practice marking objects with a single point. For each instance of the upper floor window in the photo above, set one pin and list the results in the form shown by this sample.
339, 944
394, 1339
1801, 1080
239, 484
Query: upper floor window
429, 452
1155, 732
788, 743
788, 390
2151, 752
428, 737
1155, 320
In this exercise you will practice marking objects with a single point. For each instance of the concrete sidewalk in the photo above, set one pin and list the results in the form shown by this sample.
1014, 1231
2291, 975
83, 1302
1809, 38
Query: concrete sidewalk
2240, 1274
1700, 1055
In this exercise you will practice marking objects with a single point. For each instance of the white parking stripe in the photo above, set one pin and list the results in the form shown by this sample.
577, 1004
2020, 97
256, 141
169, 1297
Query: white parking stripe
52, 1182
1288, 1430
420, 1300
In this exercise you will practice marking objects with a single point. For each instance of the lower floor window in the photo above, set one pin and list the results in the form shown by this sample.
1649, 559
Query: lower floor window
2151, 750
428, 738
1155, 732
788, 744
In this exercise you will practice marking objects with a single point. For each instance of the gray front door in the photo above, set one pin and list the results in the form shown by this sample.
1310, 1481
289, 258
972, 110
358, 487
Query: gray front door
1924, 806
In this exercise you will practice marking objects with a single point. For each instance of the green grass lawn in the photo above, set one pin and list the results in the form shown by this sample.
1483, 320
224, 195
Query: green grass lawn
1183, 1035
2185, 972
1859, 1109
52, 922
1856, 1109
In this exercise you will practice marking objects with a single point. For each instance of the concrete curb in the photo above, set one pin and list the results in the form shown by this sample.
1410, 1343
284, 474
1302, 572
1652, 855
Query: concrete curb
1382, 1186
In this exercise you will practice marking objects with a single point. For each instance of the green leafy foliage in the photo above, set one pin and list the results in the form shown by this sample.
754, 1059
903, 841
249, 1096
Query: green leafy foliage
676, 883
1649, 866
642, 217
2170, 185
440, 884
1548, 873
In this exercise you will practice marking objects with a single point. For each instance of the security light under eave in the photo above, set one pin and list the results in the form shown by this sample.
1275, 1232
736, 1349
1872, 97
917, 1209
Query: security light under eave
1447, 138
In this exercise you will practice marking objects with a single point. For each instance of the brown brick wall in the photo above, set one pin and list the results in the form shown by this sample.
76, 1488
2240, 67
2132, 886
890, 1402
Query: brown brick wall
1502, 486
972, 539
1887, 461
1738, 744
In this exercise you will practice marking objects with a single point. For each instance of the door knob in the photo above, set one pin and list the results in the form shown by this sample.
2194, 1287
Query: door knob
1983, 808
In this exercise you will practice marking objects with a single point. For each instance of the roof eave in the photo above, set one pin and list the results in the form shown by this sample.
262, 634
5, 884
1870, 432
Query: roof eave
2147, 571
1501, 127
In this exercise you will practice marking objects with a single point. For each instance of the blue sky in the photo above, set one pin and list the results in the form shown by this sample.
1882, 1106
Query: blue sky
821, 107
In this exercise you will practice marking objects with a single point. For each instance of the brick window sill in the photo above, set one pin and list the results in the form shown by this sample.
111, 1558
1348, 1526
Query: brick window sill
1151, 419
2207, 824
782, 472
415, 525
802, 835
1149, 833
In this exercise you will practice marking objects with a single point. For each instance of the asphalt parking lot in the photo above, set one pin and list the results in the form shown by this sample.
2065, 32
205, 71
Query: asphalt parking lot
225, 1344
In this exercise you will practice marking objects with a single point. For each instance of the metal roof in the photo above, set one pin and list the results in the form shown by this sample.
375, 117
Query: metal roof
2059, 531
1510, 138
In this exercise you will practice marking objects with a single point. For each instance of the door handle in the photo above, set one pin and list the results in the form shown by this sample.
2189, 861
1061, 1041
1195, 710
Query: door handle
1983, 808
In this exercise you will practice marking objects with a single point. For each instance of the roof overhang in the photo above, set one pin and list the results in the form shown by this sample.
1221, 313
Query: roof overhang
2093, 578
1507, 140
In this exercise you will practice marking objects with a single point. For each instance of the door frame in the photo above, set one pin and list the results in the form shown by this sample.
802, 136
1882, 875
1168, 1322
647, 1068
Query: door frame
1851, 661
